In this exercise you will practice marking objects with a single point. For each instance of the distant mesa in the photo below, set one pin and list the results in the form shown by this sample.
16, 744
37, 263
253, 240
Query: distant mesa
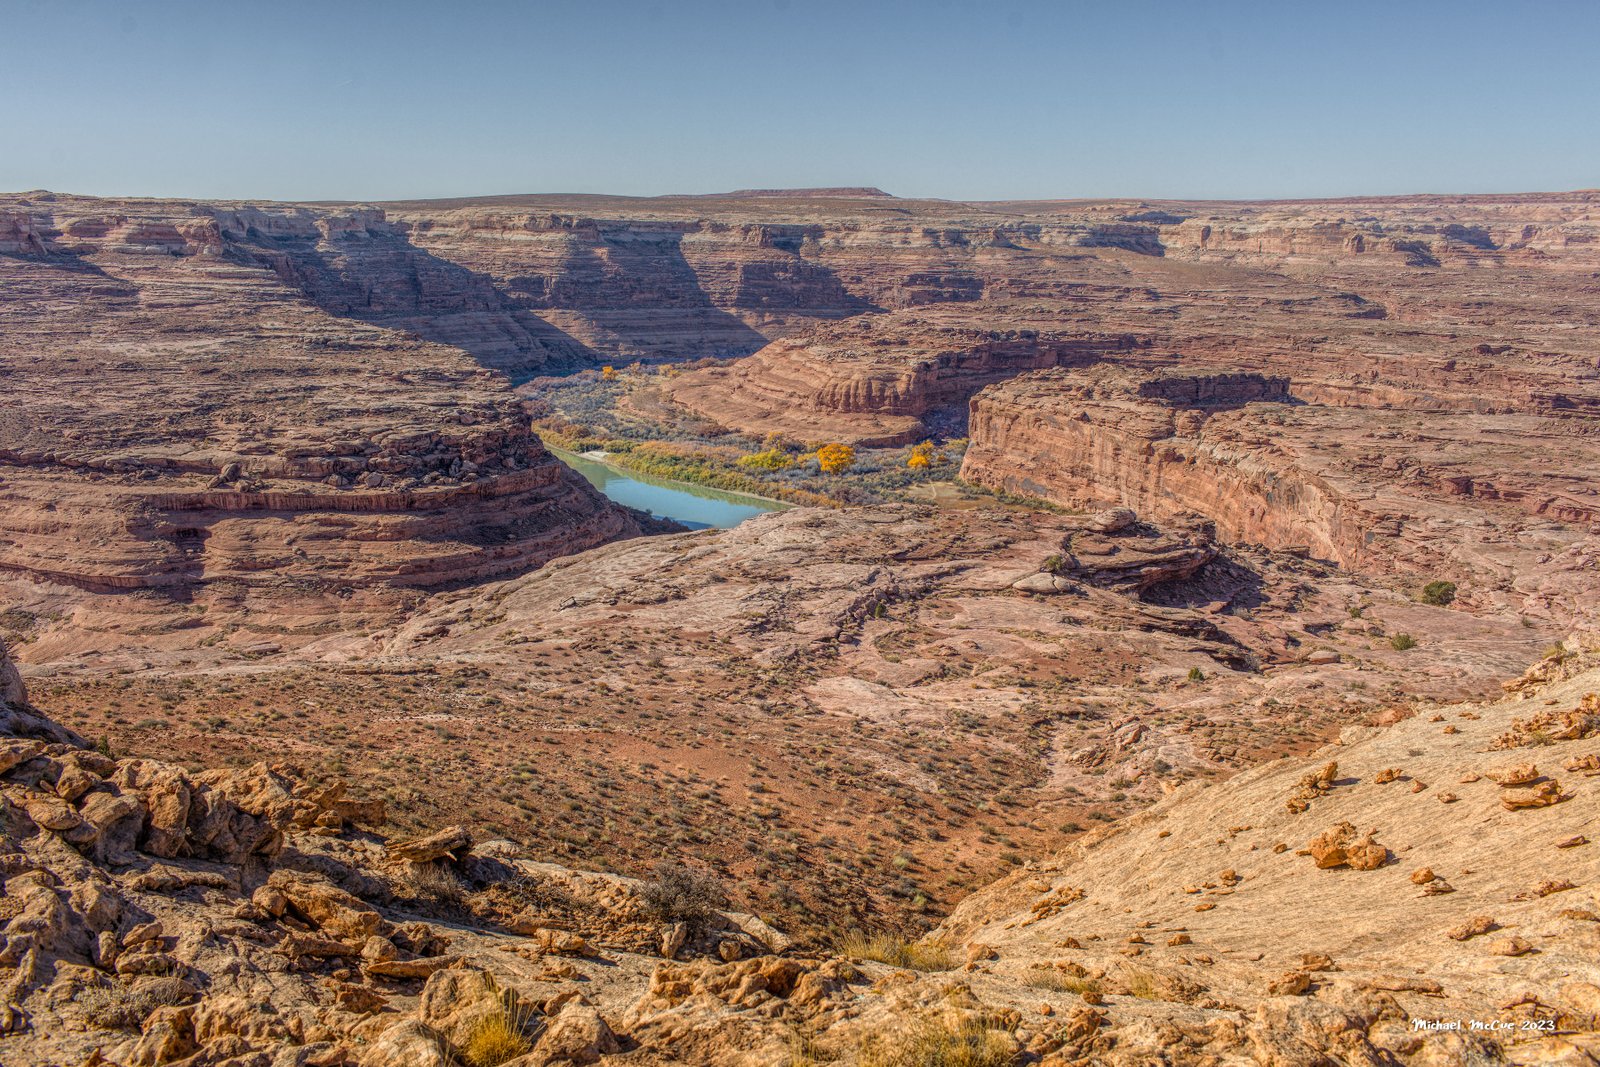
841, 192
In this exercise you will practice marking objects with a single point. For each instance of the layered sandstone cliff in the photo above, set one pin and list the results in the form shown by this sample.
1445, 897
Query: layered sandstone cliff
186, 408
877, 380
1425, 491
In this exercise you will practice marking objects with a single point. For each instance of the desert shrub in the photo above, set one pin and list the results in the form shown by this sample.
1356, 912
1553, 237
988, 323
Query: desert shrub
947, 1041
680, 894
1438, 593
118, 1007
1402, 642
1196, 674
897, 951
768, 460
432, 882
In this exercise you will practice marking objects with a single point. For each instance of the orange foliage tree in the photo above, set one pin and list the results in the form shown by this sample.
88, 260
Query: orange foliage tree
835, 458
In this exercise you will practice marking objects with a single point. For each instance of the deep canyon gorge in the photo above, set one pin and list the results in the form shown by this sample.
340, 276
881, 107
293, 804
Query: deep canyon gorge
1221, 617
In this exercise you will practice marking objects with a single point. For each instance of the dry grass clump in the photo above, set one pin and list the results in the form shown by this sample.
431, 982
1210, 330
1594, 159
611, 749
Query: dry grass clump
500, 1036
1056, 982
118, 1007
1144, 985
948, 1041
897, 951
805, 1050
431, 882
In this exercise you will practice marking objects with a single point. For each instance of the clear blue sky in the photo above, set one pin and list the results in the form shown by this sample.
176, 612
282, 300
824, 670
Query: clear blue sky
950, 98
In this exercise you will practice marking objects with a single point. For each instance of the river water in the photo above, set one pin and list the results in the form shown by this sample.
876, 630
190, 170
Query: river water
695, 506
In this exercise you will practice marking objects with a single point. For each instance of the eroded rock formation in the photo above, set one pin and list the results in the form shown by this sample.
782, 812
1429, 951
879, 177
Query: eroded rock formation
188, 408
1413, 491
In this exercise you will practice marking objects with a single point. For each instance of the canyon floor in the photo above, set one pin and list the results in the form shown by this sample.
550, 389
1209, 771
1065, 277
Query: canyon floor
1208, 488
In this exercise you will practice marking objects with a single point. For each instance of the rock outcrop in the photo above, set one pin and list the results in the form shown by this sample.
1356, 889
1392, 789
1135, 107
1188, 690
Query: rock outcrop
1230, 918
150, 915
1268, 461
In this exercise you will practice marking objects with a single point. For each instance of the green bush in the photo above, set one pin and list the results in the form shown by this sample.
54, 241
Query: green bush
1438, 593
1402, 642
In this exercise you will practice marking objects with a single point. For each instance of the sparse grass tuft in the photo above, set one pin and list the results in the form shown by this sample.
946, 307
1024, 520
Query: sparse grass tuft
118, 1007
897, 951
432, 882
949, 1041
1055, 981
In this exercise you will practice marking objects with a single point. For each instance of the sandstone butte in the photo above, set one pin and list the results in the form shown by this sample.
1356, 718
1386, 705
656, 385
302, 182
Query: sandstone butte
267, 481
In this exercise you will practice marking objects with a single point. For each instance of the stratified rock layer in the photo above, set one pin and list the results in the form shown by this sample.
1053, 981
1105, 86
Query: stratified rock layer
1435, 492
208, 396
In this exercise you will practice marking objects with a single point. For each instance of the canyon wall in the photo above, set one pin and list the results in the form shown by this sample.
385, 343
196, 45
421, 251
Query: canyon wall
204, 399
1501, 503
328, 365
873, 381
1116, 438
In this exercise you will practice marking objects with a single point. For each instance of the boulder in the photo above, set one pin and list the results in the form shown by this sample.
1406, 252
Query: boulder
450, 843
410, 1043
327, 907
456, 999
1341, 846
576, 1035
1540, 796
1042, 584
1112, 520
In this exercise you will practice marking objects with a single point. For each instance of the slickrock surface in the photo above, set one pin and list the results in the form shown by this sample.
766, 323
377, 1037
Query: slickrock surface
1206, 924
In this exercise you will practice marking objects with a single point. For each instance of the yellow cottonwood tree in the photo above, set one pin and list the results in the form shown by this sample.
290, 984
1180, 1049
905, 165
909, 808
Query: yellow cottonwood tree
835, 458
